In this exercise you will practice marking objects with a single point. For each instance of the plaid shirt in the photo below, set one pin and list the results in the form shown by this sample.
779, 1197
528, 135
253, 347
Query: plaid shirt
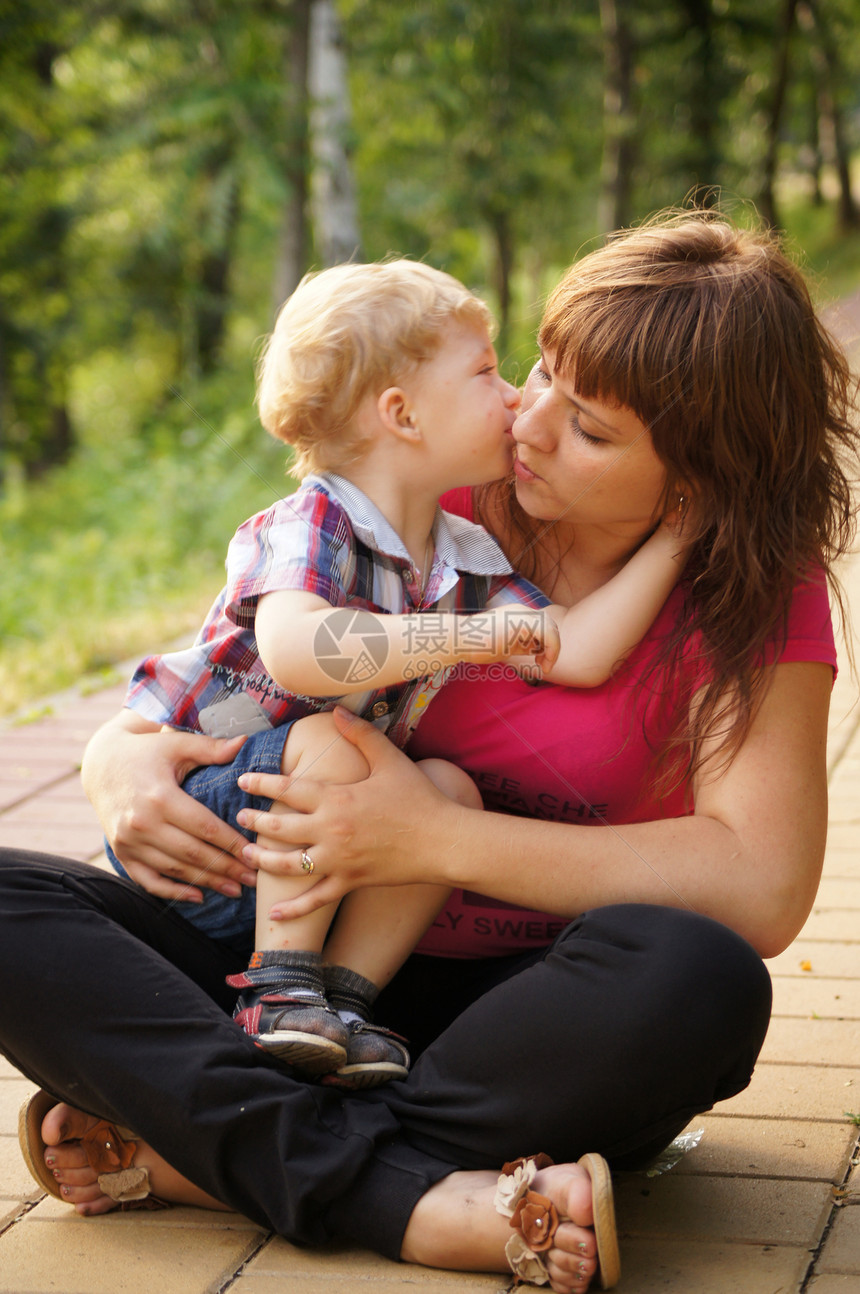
329, 539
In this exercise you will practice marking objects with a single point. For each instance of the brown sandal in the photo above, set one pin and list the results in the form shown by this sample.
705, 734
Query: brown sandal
109, 1150
535, 1219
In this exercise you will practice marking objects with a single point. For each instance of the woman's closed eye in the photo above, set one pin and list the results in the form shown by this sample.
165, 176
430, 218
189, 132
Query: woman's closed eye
580, 431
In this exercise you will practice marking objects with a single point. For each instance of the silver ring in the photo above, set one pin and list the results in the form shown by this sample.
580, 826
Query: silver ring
307, 863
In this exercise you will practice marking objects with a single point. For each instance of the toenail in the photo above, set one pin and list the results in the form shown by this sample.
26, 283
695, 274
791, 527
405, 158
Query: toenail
50, 1160
581, 1248
67, 1190
57, 1174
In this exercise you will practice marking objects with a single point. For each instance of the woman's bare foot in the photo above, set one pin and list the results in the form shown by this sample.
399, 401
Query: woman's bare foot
62, 1128
455, 1225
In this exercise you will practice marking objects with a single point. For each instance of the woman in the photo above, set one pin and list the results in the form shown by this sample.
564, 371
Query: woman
682, 809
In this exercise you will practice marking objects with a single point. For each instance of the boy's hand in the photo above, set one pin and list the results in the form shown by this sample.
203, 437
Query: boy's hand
531, 633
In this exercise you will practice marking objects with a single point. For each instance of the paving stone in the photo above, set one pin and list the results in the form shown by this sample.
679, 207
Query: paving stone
15, 1180
844, 1284
843, 835
756, 1210
842, 806
66, 804
13, 1093
699, 1267
28, 745
834, 999
813, 1042
841, 892
830, 960
12, 791
9, 1211
289, 1264
841, 1251
7, 1069
853, 1183
829, 923
436, 1283
792, 1148
32, 773
78, 842
842, 863
109, 1259
796, 1092
50, 1209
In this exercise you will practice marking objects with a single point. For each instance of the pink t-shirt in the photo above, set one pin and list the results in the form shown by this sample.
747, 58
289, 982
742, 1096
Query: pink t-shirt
566, 754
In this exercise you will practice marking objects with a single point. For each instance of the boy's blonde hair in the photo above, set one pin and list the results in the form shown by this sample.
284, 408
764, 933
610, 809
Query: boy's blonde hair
345, 333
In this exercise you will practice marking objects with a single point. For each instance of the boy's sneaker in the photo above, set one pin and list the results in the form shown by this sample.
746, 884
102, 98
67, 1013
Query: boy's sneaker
374, 1055
302, 1030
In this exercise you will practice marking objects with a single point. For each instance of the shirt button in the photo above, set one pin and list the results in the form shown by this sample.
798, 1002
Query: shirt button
379, 709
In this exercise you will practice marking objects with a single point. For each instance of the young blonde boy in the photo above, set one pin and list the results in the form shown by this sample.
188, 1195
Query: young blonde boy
359, 590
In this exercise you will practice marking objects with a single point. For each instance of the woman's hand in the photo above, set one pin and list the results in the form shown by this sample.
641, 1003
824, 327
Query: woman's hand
386, 830
166, 841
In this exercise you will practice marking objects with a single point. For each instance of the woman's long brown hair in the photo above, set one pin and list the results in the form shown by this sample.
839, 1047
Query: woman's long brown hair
707, 332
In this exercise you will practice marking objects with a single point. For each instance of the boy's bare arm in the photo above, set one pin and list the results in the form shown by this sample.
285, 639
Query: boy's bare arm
304, 642
599, 632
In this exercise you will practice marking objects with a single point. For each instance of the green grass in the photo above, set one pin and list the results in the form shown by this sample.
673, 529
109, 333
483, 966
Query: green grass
121, 551
827, 254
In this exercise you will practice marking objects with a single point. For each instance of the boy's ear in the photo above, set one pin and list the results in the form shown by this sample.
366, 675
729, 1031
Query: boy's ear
396, 415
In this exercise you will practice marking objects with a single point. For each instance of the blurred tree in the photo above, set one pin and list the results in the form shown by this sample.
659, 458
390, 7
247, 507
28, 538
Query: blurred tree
35, 219
832, 84
333, 199
477, 139
620, 119
778, 87
292, 149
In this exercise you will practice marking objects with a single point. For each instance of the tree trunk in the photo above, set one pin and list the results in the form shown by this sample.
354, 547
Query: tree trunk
816, 157
704, 105
333, 202
619, 121
292, 258
825, 58
213, 299
767, 197
500, 224
50, 432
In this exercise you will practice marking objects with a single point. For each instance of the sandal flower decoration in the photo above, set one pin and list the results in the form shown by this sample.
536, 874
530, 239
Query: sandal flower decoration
533, 1216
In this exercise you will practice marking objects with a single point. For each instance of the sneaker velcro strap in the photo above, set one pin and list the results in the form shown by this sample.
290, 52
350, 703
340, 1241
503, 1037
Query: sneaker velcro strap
370, 1026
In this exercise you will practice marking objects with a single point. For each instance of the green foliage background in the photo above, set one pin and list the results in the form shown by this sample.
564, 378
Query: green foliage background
146, 148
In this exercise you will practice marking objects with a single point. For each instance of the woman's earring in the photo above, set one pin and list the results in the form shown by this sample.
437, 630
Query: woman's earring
682, 507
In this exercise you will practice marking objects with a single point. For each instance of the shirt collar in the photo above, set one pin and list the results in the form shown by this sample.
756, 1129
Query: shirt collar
460, 544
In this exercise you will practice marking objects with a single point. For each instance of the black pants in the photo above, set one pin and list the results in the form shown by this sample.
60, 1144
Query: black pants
635, 1020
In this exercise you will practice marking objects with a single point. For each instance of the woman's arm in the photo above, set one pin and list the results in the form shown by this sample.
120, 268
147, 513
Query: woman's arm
749, 856
601, 630
132, 771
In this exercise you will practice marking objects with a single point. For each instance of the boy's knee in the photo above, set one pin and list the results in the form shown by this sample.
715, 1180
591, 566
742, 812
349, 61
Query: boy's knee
452, 781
